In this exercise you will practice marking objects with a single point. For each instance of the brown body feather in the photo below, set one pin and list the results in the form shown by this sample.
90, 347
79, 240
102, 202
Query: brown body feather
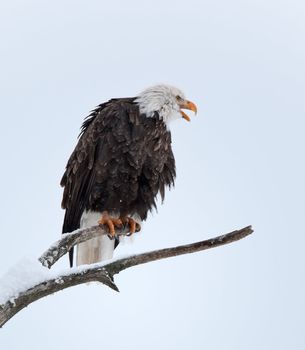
122, 160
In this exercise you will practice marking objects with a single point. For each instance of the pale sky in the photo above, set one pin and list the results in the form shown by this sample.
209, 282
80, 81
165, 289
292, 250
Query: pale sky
239, 162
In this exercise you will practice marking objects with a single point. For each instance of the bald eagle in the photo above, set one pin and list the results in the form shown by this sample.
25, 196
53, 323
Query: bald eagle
122, 161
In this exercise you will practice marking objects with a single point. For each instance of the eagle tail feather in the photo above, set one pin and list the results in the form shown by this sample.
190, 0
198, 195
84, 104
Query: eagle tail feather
96, 249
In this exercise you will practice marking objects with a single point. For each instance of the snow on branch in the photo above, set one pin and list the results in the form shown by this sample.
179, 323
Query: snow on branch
47, 282
69, 240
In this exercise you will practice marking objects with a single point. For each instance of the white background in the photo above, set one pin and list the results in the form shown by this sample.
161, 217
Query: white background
239, 162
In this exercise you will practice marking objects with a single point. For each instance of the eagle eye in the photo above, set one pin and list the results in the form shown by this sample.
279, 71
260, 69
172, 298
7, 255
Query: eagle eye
178, 98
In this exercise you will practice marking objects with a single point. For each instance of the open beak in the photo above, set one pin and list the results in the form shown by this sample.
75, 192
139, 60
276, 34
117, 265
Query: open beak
187, 105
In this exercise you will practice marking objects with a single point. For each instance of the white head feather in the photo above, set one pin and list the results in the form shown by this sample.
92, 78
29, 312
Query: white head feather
162, 99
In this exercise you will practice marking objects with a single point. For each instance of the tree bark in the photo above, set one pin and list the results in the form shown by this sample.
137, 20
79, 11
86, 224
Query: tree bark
69, 240
100, 272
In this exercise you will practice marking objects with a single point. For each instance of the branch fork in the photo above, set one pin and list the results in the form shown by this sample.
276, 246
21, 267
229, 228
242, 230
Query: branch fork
102, 272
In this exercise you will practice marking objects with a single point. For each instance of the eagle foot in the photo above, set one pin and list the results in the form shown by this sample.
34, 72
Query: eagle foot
133, 225
111, 222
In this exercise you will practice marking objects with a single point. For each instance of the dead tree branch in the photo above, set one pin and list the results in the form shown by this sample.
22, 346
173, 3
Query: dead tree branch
53, 285
69, 240
122, 264
100, 272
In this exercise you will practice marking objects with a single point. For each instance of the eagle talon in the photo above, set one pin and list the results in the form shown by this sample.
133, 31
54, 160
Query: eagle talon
111, 222
133, 225
110, 236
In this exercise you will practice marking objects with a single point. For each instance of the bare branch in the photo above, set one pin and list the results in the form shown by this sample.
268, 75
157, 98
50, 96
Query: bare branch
53, 285
122, 264
102, 272
69, 240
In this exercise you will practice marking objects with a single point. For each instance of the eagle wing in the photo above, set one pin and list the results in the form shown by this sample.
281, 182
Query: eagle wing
81, 173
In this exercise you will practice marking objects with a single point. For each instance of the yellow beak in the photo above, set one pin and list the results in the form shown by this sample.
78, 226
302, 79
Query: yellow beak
187, 105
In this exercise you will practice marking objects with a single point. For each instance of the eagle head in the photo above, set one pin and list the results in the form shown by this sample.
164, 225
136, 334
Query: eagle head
168, 101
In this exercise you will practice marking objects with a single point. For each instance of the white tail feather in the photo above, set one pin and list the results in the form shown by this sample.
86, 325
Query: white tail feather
95, 249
